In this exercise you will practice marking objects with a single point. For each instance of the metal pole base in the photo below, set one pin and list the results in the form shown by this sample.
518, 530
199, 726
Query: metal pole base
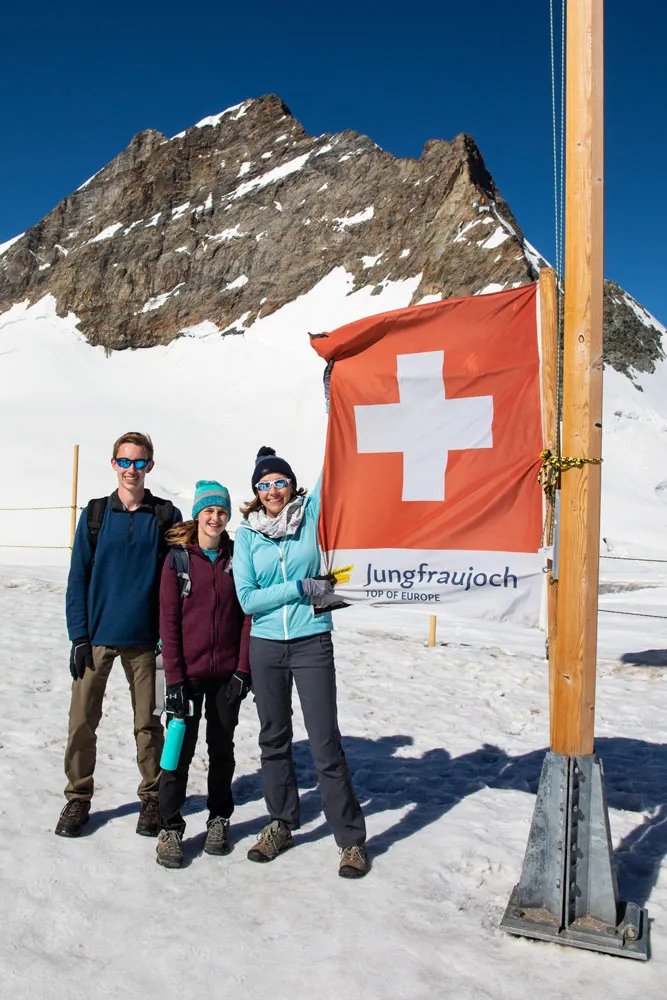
567, 892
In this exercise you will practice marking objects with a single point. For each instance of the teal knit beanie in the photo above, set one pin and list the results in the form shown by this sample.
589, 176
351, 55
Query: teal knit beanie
209, 493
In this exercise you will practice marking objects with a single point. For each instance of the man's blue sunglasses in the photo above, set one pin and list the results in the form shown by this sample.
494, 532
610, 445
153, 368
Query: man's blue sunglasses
279, 484
138, 463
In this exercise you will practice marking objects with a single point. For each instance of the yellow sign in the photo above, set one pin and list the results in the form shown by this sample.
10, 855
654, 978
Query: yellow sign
343, 574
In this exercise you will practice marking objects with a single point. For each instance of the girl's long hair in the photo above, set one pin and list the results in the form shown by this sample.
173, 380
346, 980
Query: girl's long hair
186, 533
183, 533
256, 503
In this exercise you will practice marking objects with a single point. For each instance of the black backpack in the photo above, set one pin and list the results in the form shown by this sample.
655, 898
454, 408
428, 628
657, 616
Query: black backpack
163, 510
179, 559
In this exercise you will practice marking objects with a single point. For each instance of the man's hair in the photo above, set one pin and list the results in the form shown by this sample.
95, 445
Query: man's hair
134, 437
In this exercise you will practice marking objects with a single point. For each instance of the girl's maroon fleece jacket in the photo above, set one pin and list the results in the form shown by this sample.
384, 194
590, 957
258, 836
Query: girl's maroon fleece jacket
206, 633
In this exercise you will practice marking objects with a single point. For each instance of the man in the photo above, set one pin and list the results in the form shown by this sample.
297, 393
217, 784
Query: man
112, 611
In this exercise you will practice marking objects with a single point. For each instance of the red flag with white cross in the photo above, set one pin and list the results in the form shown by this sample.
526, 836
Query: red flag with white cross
429, 488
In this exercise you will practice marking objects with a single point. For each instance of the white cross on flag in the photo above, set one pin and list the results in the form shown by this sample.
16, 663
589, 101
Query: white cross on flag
429, 491
424, 425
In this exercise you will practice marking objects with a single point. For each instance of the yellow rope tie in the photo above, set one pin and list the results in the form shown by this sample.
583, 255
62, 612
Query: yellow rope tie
552, 467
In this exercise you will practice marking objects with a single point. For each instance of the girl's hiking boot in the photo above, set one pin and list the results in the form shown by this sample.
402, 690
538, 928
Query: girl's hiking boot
169, 848
353, 862
148, 824
75, 814
272, 841
217, 836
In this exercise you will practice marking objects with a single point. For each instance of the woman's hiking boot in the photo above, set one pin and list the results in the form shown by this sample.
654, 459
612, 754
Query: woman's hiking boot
169, 848
75, 814
217, 836
353, 862
272, 841
148, 824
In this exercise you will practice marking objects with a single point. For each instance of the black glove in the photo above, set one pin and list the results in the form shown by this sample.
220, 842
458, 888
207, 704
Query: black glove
237, 688
317, 586
175, 699
80, 657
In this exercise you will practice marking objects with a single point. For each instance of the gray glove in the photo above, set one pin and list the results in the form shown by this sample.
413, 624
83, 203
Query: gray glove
317, 586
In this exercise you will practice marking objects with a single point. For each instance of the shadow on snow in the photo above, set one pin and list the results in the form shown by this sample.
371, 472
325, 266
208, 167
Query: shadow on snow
430, 785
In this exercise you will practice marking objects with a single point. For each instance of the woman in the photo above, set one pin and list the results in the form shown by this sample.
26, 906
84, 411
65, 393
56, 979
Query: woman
205, 652
276, 567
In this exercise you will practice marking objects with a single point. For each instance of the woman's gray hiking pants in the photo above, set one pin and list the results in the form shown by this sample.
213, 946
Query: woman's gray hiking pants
309, 663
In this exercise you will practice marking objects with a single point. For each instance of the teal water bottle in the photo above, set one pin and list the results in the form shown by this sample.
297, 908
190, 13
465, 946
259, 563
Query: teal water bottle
173, 742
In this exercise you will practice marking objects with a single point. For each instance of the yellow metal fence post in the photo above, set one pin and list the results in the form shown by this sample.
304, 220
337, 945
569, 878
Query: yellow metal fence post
75, 490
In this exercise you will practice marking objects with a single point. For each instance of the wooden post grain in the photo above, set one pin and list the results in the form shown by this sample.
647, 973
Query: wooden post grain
431, 630
75, 491
574, 679
549, 343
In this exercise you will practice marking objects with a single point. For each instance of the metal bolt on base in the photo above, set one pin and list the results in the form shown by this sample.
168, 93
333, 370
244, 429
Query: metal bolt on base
568, 892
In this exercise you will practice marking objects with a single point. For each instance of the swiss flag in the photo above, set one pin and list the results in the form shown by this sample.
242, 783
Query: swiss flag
434, 433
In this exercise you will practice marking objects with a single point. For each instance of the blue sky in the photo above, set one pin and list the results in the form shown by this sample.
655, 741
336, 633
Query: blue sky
79, 81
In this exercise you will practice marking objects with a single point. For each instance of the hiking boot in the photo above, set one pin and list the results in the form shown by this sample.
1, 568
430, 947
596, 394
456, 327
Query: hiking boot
217, 836
169, 848
73, 817
148, 824
272, 841
353, 862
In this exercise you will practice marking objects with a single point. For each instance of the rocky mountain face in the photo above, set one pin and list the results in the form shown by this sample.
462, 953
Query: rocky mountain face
243, 212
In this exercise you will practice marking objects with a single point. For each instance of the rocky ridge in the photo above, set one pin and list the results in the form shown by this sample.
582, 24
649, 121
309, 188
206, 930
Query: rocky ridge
240, 214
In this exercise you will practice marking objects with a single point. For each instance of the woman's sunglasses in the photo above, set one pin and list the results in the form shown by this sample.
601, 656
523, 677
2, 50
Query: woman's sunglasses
138, 463
279, 484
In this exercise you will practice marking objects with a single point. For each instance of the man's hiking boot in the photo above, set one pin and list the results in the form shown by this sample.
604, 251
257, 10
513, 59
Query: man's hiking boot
272, 841
353, 862
217, 836
169, 848
73, 817
148, 824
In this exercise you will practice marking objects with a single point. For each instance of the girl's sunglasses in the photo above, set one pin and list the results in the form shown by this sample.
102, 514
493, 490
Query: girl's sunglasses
138, 463
279, 484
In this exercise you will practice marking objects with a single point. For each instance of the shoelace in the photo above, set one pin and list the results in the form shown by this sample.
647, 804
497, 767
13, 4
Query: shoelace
170, 837
217, 830
352, 855
269, 836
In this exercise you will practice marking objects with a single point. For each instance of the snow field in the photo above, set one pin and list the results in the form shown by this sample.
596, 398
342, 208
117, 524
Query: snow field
445, 746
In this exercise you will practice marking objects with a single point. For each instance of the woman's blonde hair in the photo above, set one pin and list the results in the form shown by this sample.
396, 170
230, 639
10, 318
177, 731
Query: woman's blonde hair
182, 533
256, 503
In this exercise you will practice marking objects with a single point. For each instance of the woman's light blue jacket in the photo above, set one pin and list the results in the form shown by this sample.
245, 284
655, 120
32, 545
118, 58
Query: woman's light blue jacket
266, 573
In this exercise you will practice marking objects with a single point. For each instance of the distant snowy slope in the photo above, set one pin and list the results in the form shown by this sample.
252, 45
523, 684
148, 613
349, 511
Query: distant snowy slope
210, 401
634, 472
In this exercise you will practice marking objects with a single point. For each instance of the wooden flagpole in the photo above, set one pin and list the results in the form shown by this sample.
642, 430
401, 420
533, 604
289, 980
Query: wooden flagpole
574, 673
567, 891
549, 342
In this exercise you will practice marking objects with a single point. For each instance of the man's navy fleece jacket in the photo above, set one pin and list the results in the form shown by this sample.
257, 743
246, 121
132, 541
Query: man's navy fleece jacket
114, 600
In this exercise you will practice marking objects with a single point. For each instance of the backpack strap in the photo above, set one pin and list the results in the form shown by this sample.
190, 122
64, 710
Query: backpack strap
179, 560
230, 543
164, 513
94, 517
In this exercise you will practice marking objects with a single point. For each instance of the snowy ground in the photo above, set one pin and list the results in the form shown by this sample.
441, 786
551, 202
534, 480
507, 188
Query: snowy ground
445, 745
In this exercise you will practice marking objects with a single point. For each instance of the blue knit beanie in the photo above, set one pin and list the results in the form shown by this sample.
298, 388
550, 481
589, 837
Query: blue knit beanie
209, 493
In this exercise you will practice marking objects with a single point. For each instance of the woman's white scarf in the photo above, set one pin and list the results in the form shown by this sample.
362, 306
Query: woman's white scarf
287, 523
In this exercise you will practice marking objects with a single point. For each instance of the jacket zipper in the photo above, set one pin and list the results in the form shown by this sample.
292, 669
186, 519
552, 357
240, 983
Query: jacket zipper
282, 566
284, 572
215, 613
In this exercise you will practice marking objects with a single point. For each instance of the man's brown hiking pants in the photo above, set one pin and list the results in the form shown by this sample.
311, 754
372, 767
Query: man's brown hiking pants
86, 711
